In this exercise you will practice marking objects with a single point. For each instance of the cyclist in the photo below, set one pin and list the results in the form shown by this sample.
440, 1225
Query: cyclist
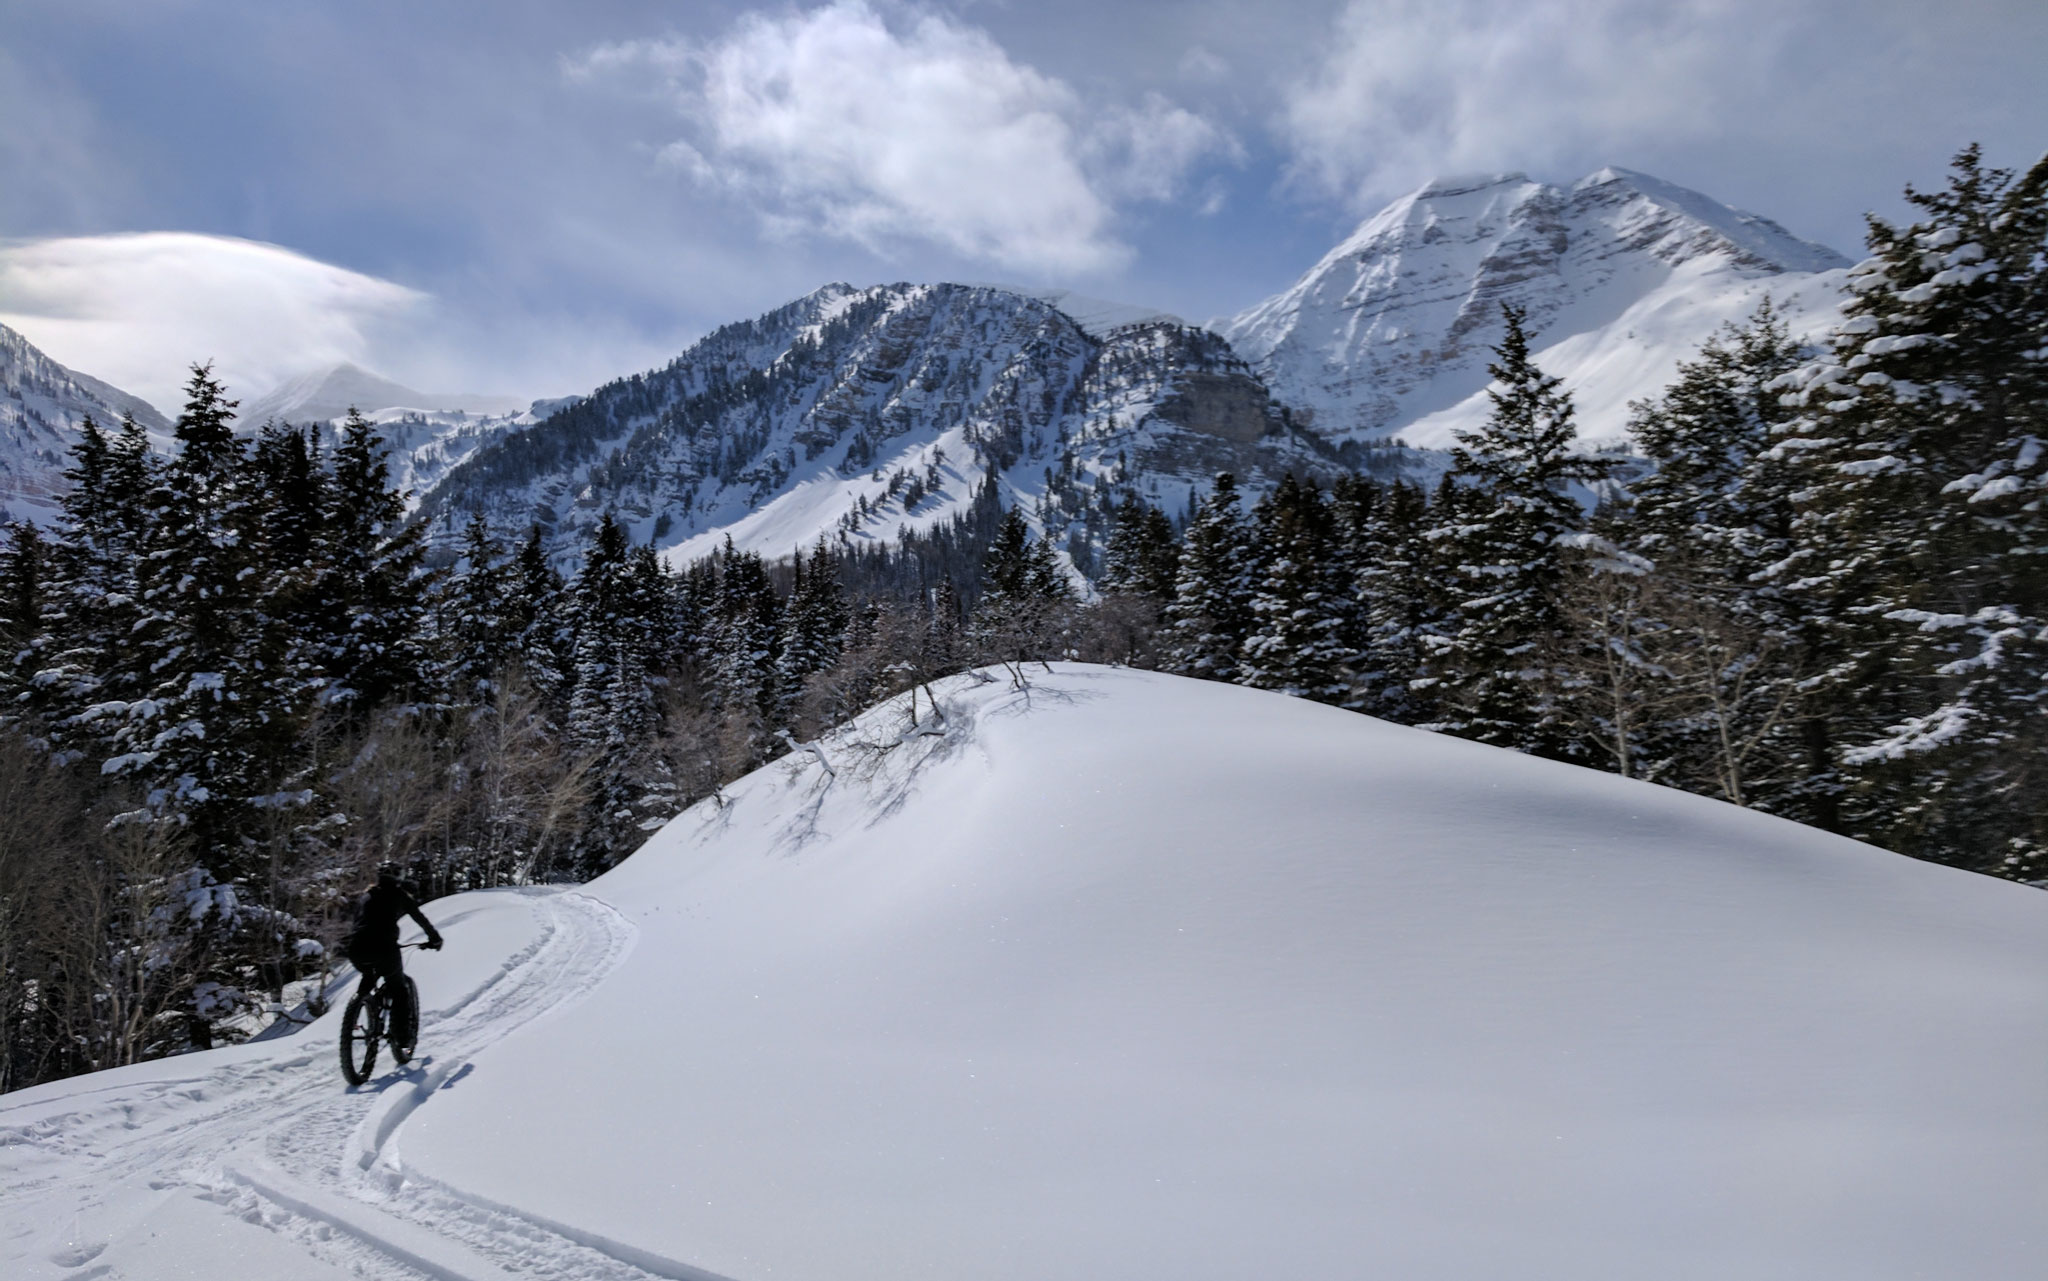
373, 943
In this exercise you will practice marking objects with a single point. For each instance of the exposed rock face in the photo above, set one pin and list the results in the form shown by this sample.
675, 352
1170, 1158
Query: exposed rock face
817, 418
1397, 322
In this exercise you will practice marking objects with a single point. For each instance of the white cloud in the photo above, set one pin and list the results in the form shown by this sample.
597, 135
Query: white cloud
1144, 153
138, 309
830, 122
1414, 88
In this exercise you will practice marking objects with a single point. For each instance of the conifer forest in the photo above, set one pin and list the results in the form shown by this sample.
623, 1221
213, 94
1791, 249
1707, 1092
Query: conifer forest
235, 677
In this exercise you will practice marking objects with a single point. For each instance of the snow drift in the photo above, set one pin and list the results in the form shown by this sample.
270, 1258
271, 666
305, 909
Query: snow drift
1123, 975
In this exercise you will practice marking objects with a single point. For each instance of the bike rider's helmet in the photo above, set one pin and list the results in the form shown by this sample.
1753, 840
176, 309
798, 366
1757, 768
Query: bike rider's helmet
388, 873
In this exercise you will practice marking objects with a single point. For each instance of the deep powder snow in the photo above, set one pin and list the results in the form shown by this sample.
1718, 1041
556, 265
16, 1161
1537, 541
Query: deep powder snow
1123, 975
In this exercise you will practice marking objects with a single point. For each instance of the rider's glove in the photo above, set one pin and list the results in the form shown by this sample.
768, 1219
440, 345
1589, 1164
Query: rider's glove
434, 945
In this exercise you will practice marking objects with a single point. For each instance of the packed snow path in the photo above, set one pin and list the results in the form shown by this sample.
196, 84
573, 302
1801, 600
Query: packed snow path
272, 1138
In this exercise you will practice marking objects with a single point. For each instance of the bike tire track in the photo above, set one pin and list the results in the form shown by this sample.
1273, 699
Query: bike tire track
327, 1173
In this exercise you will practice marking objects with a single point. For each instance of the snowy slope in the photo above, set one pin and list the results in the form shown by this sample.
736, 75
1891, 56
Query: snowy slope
424, 445
816, 418
1126, 976
1623, 275
42, 404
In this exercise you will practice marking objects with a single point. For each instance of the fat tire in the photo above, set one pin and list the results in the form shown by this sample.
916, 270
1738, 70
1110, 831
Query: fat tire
402, 1022
359, 1038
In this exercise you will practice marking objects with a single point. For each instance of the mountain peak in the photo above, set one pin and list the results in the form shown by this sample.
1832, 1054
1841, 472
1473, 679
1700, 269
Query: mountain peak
1395, 324
329, 392
1449, 185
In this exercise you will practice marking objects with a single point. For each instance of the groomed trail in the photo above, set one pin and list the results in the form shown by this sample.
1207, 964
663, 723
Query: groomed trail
284, 1170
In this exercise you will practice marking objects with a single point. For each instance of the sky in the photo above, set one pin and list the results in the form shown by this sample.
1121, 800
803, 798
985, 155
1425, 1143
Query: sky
527, 198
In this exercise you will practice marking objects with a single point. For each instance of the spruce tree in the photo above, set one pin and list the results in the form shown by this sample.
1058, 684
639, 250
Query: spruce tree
213, 728
1302, 608
1211, 612
371, 597
1496, 663
814, 625
479, 614
1394, 589
86, 668
1142, 556
1021, 586
1723, 650
24, 585
542, 637
1923, 546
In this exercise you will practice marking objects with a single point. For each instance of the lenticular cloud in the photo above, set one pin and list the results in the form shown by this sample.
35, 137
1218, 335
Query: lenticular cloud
138, 308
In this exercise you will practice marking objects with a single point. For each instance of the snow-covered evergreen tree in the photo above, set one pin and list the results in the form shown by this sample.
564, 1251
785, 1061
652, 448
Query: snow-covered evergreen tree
1723, 648
24, 585
814, 624
1303, 607
373, 591
1506, 547
215, 722
478, 615
1217, 577
1383, 544
1923, 543
542, 636
1142, 557
1022, 584
746, 635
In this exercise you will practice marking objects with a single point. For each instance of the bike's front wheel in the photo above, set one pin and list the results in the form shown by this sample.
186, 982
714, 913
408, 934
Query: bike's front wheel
359, 1036
404, 1020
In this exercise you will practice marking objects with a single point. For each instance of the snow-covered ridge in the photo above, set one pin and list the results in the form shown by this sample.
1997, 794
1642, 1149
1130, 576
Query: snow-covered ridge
1122, 975
1622, 276
322, 395
42, 405
856, 414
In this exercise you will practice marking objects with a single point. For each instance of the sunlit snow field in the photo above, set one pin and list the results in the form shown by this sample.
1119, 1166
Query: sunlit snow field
1123, 975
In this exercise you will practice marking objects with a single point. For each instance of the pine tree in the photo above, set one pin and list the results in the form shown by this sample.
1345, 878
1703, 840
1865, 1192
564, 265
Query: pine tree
1142, 556
746, 634
814, 626
541, 634
1389, 563
1303, 607
24, 575
1507, 582
1721, 649
371, 597
479, 613
604, 635
213, 728
1021, 586
1211, 613
1923, 548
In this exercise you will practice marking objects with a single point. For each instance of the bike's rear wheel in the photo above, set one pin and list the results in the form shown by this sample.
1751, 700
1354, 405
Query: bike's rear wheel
403, 1022
359, 1037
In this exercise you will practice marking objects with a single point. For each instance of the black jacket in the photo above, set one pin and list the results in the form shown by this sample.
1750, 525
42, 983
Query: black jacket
375, 937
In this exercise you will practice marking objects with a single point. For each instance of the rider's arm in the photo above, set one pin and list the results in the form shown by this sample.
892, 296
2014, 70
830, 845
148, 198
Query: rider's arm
412, 909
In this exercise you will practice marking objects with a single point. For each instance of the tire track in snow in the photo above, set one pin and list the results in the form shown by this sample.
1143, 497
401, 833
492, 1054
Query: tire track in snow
325, 1170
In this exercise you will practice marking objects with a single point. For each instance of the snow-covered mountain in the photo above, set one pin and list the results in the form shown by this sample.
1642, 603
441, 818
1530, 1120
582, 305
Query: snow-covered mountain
1129, 976
1622, 275
322, 395
427, 434
42, 405
858, 413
